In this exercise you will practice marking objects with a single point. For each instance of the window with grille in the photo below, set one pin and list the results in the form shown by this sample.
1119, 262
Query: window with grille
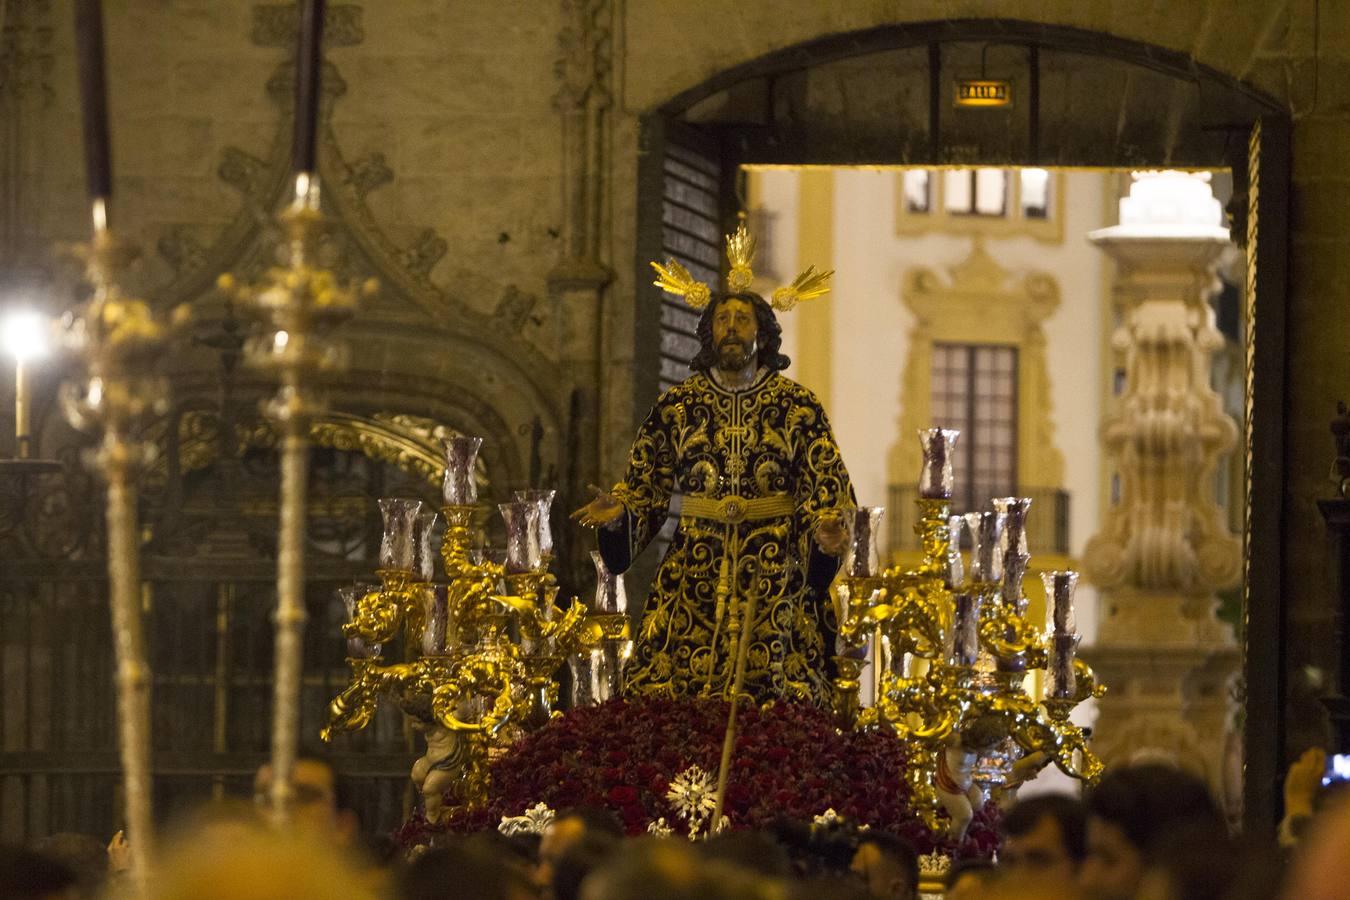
974, 389
691, 235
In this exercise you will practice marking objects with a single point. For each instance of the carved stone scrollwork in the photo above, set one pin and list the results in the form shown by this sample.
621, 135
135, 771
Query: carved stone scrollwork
585, 63
410, 443
422, 256
515, 308
1167, 532
368, 173
274, 25
243, 171
26, 58
181, 249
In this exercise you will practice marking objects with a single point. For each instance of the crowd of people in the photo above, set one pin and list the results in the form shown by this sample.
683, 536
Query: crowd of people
1151, 832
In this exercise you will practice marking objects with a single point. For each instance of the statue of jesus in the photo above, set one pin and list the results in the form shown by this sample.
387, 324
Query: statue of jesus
764, 497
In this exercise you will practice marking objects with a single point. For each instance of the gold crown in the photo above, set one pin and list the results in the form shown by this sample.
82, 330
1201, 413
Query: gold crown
675, 278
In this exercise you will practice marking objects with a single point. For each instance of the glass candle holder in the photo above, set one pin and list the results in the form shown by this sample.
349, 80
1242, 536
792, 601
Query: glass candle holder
350, 595
937, 479
545, 500
522, 536
424, 557
864, 548
610, 594
597, 673
461, 454
1059, 588
954, 572
397, 550
986, 564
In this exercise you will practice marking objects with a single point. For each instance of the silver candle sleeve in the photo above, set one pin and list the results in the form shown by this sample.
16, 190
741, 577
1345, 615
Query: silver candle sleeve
397, 546
1060, 681
350, 595
864, 548
937, 478
523, 553
424, 556
610, 594
1059, 589
461, 455
986, 563
597, 673
545, 500
954, 573
966, 630
437, 633
1014, 548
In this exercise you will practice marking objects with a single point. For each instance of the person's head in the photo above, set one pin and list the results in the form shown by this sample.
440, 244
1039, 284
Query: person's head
317, 805
752, 851
1197, 861
888, 866
969, 879
580, 859
736, 330
1045, 836
462, 867
670, 869
260, 863
568, 829
85, 856
1131, 807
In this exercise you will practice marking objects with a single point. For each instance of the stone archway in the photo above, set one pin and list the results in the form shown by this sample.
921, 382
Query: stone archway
882, 95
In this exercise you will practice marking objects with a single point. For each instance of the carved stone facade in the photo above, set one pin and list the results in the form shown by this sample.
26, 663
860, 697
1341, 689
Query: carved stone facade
979, 302
1164, 549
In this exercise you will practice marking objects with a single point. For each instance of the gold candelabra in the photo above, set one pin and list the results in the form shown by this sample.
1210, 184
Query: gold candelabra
301, 303
952, 654
480, 651
119, 339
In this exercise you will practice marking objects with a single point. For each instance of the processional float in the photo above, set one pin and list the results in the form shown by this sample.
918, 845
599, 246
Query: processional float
950, 653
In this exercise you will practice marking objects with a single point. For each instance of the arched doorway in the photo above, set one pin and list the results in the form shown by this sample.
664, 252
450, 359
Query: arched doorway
886, 97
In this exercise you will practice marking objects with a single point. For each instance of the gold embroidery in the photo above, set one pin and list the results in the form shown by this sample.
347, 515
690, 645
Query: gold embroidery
771, 439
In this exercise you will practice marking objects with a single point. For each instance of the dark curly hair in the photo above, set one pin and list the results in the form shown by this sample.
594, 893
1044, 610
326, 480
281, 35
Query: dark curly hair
769, 339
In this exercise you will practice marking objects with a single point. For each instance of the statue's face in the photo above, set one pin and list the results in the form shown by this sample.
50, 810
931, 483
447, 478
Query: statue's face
735, 331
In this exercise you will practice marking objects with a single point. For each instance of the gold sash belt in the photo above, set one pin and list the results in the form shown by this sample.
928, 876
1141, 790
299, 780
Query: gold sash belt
733, 510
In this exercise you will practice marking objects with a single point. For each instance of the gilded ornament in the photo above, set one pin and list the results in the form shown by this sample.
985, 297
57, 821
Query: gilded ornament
674, 278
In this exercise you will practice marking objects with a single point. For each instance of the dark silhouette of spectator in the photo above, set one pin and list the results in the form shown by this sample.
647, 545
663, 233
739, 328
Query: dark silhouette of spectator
570, 827
461, 868
1046, 837
1127, 812
969, 878
86, 857
753, 851
888, 866
26, 875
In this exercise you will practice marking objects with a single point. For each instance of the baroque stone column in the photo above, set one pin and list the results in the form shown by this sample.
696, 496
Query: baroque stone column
578, 281
1164, 550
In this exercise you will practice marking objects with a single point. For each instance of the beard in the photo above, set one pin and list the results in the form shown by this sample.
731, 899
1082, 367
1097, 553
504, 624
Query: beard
732, 354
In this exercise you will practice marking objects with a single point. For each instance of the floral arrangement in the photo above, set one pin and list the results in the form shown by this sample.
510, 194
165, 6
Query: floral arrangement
652, 761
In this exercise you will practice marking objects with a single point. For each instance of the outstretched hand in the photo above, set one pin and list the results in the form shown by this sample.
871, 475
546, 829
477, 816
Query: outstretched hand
831, 535
605, 509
